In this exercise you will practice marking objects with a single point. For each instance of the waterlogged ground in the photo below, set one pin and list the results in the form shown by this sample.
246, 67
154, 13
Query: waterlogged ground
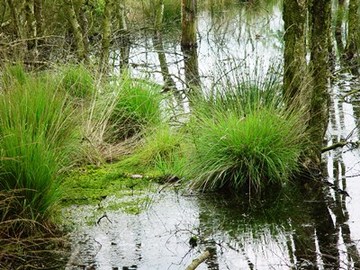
289, 230
123, 222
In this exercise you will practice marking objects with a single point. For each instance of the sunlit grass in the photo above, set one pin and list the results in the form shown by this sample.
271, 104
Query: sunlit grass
244, 137
137, 107
13, 75
163, 151
38, 141
76, 80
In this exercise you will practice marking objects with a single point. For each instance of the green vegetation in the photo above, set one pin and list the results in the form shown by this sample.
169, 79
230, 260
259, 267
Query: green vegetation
254, 151
241, 138
162, 151
12, 75
77, 81
247, 139
38, 139
89, 185
137, 107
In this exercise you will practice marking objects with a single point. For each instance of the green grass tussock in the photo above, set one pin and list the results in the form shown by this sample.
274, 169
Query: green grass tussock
247, 140
137, 107
38, 140
77, 80
13, 75
259, 149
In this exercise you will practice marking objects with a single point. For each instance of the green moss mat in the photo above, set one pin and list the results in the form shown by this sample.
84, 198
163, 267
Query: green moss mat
91, 185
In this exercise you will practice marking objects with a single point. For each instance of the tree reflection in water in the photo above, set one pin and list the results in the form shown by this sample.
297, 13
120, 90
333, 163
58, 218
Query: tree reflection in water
299, 228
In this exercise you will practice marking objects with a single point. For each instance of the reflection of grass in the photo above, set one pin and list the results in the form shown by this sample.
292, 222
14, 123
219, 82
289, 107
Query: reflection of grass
236, 216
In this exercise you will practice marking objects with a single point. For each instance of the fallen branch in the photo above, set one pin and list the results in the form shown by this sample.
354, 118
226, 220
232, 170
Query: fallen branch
196, 262
334, 146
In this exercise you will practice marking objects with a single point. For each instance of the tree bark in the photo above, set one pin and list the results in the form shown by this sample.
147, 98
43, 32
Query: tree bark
124, 35
38, 18
353, 35
294, 16
196, 262
15, 19
338, 26
106, 35
188, 26
84, 24
76, 30
319, 62
189, 47
30, 23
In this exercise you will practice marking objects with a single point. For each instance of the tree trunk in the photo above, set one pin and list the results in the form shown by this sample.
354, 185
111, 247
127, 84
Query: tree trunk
188, 26
106, 35
76, 29
189, 47
353, 35
319, 62
159, 48
124, 35
191, 66
84, 23
15, 19
39, 27
30, 23
38, 18
294, 16
338, 27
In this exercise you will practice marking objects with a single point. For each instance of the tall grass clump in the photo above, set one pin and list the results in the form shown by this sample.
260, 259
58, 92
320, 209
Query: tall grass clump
137, 107
38, 139
76, 80
12, 75
245, 139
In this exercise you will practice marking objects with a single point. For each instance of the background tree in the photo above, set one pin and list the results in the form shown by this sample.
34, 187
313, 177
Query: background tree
159, 46
353, 35
320, 14
189, 45
76, 30
106, 35
294, 16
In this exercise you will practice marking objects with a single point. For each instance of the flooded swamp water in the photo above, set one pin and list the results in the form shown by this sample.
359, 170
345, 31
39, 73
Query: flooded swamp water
295, 229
